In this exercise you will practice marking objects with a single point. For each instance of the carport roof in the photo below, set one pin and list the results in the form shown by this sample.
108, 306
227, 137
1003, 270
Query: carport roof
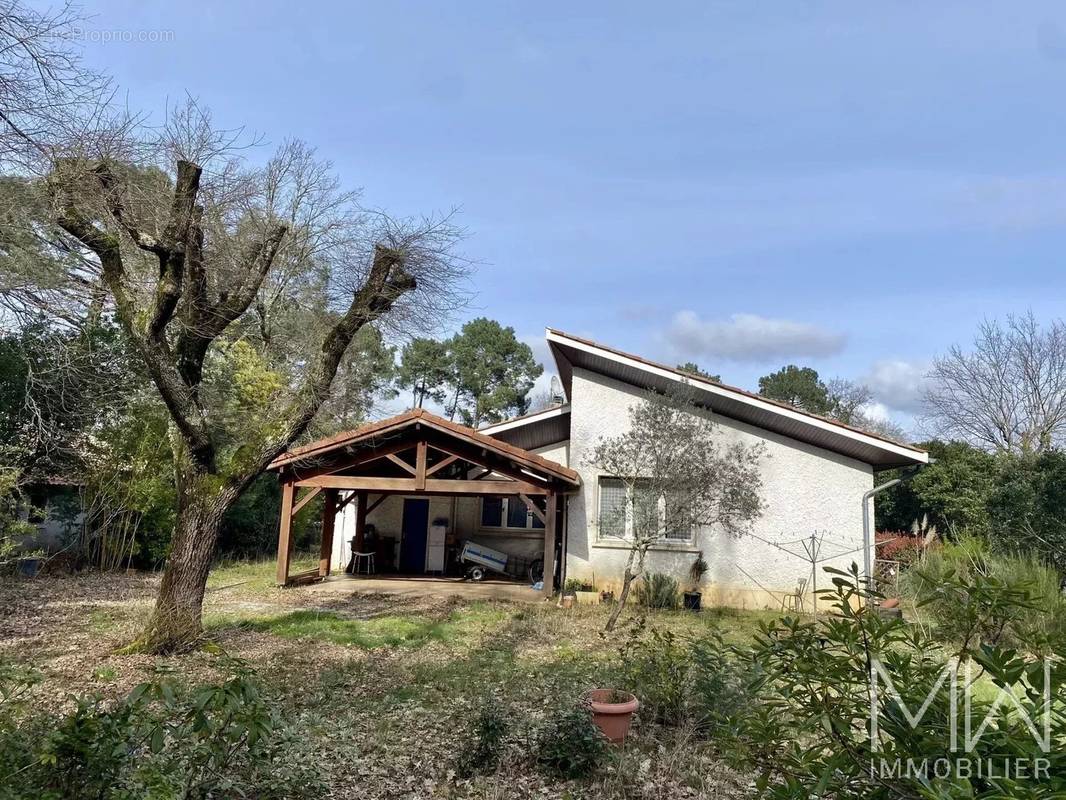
375, 432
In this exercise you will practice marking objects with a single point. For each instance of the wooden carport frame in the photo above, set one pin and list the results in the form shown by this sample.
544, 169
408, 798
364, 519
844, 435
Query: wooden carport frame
416, 453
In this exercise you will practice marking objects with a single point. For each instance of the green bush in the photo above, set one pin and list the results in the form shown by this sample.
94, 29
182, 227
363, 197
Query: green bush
1036, 621
569, 745
658, 671
683, 681
657, 590
809, 733
161, 741
490, 730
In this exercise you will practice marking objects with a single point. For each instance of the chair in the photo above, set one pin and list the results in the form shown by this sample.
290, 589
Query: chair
364, 558
794, 600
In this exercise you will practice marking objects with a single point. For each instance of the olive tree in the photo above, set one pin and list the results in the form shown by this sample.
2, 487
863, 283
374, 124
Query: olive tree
678, 476
240, 287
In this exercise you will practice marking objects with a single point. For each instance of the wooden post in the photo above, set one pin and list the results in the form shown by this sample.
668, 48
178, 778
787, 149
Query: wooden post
420, 466
360, 521
549, 547
284, 534
329, 518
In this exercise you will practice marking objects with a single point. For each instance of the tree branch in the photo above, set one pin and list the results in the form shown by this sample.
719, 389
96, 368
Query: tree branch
387, 282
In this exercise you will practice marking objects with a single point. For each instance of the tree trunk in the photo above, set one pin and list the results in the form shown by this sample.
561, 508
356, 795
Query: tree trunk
627, 583
177, 622
636, 554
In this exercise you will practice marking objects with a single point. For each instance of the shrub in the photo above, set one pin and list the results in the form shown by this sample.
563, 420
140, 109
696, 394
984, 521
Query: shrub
569, 745
490, 729
657, 590
1034, 622
901, 546
808, 735
657, 670
161, 740
721, 686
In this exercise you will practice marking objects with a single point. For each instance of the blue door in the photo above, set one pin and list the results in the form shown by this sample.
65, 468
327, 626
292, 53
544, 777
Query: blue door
415, 525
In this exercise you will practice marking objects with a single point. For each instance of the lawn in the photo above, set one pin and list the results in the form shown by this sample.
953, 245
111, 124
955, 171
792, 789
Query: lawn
386, 687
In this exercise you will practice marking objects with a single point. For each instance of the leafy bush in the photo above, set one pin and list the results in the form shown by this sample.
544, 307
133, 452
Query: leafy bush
657, 590
900, 546
683, 681
809, 736
570, 745
161, 741
1036, 621
658, 671
490, 729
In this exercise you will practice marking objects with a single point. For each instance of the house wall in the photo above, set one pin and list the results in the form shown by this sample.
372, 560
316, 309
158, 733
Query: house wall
806, 490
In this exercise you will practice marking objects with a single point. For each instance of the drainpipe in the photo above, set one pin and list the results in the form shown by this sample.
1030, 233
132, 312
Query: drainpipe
867, 524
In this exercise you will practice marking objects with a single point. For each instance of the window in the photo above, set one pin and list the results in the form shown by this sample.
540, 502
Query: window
621, 516
516, 513
678, 520
612, 508
491, 512
510, 513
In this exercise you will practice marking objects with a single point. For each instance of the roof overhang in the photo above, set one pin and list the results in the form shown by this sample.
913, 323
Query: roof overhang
572, 352
532, 431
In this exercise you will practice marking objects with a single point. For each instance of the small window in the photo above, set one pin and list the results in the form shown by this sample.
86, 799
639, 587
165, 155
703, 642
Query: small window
492, 512
517, 513
612, 508
678, 520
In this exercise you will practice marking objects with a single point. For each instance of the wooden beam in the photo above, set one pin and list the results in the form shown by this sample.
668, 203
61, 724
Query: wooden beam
432, 486
284, 534
358, 459
493, 462
532, 507
441, 465
549, 546
345, 501
420, 465
307, 498
329, 518
376, 503
401, 463
307, 576
482, 487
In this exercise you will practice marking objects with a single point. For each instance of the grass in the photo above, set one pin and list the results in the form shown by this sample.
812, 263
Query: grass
379, 632
385, 688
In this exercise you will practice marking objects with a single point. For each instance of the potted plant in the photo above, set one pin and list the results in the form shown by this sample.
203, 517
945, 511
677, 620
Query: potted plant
612, 711
693, 596
584, 592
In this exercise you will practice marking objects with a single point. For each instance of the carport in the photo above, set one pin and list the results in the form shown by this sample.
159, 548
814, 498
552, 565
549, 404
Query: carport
417, 454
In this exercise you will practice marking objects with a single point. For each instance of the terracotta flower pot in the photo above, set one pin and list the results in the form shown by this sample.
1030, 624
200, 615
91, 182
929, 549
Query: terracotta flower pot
609, 715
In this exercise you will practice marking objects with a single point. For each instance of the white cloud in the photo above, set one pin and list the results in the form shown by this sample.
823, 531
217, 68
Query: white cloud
898, 384
749, 337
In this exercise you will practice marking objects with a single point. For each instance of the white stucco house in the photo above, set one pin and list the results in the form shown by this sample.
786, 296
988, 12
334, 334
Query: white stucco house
815, 472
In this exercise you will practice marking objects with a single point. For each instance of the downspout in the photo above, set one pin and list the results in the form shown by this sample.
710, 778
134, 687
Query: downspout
867, 525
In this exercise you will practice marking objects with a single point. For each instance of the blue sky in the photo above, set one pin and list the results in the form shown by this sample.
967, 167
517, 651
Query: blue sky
849, 186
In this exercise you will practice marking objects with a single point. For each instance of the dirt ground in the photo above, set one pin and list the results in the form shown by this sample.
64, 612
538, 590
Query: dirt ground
385, 679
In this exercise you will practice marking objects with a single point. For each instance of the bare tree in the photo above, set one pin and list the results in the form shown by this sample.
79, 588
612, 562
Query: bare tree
240, 289
1009, 392
677, 477
46, 93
